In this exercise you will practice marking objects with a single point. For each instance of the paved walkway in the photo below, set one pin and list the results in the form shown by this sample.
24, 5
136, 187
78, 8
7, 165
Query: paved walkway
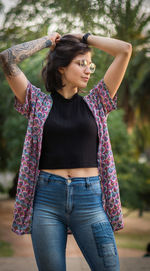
73, 264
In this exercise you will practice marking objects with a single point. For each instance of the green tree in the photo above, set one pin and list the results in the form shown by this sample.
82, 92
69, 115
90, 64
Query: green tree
134, 183
13, 125
119, 19
130, 24
134, 177
1, 6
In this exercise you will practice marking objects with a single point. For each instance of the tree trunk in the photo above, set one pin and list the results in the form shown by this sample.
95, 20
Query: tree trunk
141, 212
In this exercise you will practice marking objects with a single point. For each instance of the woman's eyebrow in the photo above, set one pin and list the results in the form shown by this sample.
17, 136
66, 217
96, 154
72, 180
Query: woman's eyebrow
84, 59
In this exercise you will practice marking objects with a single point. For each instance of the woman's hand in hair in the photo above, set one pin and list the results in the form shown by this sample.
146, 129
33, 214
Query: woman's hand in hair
54, 37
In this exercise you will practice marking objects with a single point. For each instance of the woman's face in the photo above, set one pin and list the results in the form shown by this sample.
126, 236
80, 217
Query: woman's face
76, 75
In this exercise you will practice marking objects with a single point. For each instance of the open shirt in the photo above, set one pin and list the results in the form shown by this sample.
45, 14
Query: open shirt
36, 109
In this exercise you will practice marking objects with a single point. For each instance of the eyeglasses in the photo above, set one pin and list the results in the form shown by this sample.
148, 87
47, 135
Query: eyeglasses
83, 64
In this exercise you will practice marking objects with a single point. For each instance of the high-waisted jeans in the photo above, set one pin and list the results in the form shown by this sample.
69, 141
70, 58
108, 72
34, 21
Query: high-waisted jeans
76, 203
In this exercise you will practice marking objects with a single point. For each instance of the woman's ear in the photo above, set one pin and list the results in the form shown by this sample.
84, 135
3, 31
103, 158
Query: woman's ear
61, 70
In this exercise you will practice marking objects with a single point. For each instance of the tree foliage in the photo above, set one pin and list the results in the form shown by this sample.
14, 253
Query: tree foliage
134, 177
122, 19
1, 6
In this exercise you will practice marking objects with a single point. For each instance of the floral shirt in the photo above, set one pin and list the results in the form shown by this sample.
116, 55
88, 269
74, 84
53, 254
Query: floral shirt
36, 108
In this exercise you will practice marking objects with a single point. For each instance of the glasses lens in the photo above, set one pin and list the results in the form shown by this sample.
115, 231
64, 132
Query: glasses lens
92, 67
84, 64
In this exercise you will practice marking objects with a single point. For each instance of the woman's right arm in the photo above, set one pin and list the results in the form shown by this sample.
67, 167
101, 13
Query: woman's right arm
10, 57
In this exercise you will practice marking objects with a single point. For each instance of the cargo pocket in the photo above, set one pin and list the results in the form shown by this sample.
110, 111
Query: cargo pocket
105, 243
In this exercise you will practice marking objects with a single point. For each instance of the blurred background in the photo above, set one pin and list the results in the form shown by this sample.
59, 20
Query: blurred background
129, 126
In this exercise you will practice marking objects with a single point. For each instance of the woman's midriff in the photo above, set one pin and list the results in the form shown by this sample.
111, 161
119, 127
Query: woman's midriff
74, 172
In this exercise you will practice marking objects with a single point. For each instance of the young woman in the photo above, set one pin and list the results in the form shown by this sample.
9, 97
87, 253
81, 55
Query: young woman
67, 175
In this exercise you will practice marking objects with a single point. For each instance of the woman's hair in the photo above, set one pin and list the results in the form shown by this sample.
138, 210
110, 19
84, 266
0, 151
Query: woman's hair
64, 52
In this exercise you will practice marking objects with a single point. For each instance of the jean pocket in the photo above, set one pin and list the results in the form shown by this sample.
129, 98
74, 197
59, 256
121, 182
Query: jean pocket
105, 242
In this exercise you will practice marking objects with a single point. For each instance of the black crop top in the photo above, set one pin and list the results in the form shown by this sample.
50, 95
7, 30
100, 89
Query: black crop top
70, 135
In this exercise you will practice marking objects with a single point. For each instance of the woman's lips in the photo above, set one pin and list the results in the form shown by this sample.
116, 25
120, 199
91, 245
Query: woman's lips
85, 79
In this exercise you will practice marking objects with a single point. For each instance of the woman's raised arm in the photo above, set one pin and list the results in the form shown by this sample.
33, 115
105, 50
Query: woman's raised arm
10, 57
121, 50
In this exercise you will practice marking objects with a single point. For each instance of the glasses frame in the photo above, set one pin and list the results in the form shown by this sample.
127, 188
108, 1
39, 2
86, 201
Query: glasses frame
83, 64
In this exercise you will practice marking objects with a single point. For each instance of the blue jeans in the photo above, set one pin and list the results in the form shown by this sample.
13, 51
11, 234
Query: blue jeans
76, 203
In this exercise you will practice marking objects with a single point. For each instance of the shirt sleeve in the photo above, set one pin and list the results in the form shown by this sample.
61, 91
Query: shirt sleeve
32, 95
100, 95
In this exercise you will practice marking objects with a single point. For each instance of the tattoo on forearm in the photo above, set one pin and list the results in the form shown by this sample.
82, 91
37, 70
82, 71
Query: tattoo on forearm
8, 64
10, 57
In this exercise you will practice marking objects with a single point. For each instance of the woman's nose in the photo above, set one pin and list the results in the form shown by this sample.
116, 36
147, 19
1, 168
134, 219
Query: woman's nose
87, 69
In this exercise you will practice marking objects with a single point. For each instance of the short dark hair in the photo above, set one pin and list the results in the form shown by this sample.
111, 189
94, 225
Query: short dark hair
64, 52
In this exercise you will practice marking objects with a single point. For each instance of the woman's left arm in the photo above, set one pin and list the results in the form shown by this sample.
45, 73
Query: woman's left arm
121, 50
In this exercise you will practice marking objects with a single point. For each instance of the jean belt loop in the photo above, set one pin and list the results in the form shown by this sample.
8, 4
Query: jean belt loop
49, 176
87, 182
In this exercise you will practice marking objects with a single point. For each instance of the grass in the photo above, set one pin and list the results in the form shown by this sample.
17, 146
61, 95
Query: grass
133, 240
136, 234
5, 249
